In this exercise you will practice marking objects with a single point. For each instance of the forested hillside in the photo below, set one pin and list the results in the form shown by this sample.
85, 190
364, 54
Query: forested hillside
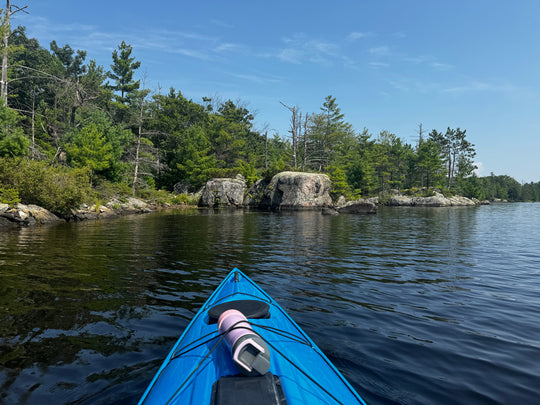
71, 130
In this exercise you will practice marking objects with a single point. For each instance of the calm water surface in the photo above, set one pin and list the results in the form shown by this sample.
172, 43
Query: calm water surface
414, 306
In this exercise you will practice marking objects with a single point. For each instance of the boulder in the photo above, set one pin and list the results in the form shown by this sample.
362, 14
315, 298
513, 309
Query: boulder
460, 201
437, 200
223, 192
129, 205
359, 206
41, 215
297, 190
28, 215
400, 201
329, 211
341, 201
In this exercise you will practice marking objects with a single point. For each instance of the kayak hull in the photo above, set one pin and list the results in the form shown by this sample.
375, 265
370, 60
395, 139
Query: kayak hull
201, 357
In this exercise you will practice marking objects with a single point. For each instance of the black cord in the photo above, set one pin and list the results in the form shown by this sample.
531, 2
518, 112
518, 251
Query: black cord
305, 374
193, 372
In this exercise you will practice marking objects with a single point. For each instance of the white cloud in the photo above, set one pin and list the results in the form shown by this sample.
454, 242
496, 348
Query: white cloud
477, 86
229, 47
480, 169
256, 78
354, 36
378, 65
300, 48
290, 55
379, 50
441, 66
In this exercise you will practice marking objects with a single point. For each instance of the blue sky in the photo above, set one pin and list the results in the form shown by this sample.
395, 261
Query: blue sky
390, 64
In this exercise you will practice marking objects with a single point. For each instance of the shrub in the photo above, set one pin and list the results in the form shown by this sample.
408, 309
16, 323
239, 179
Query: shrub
9, 196
55, 188
184, 199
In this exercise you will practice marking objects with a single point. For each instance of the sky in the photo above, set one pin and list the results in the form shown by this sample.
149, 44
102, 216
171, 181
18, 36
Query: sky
391, 65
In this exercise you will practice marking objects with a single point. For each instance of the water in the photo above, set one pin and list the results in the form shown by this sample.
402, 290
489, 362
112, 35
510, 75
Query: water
414, 306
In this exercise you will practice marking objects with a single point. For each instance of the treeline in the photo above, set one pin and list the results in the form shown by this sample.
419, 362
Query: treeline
500, 188
97, 128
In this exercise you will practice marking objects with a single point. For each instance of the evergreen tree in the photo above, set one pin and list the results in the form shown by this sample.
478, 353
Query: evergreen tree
73, 62
428, 163
90, 149
122, 70
360, 166
327, 132
456, 151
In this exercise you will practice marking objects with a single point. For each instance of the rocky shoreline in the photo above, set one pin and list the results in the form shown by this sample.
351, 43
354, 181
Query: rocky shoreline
32, 215
285, 191
297, 190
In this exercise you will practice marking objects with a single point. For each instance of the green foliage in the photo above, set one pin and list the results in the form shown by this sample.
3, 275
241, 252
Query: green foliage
248, 171
122, 70
115, 138
184, 199
498, 188
74, 65
428, 163
195, 162
162, 197
419, 192
108, 190
340, 187
328, 133
12, 139
10, 196
89, 149
55, 188
456, 152
276, 167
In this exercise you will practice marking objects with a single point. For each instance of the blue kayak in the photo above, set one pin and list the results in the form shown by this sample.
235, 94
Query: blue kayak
279, 365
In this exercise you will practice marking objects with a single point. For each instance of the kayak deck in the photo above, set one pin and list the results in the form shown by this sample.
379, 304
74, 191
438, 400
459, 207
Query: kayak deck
200, 357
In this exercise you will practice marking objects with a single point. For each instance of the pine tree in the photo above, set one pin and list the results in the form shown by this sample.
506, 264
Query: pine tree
122, 70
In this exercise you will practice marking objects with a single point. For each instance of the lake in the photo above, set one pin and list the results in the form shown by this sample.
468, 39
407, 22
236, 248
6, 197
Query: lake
412, 305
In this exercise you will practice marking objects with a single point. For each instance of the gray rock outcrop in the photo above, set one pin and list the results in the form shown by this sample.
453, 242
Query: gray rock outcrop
114, 208
26, 215
360, 206
297, 190
223, 192
437, 200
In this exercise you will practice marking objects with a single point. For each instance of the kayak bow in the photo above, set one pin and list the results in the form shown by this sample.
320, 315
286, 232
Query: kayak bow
200, 368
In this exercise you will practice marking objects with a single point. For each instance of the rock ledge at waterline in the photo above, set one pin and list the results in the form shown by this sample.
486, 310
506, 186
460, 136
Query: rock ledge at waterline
437, 200
26, 215
299, 190
31, 215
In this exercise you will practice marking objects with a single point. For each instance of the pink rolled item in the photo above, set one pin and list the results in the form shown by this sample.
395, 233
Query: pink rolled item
250, 354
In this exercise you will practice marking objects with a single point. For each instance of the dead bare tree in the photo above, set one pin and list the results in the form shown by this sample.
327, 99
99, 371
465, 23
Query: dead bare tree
6, 31
266, 150
295, 130
138, 144
305, 141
